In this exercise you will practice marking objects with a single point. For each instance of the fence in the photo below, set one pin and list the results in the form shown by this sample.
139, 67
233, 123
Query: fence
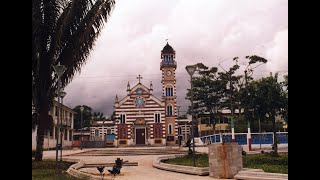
241, 138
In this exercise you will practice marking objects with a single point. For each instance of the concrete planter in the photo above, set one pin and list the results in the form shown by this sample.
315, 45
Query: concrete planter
225, 160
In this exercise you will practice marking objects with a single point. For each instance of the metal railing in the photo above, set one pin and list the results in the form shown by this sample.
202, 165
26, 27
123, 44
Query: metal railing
241, 138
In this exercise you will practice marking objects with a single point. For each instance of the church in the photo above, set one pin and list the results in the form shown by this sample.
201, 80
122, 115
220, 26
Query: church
142, 118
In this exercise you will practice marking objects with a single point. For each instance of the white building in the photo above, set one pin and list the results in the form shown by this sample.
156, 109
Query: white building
99, 129
66, 118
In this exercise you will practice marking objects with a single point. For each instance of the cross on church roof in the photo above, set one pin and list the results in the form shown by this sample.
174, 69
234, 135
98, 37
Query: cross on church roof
139, 78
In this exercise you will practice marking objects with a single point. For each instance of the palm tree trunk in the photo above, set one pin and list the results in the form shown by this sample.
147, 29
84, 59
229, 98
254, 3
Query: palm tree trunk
44, 123
43, 106
39, 148
275, 143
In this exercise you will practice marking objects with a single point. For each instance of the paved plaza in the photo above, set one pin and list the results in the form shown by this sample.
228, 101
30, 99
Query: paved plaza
143, 155
144, 170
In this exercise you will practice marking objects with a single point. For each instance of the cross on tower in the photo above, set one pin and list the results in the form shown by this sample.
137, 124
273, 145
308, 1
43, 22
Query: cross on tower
139, 78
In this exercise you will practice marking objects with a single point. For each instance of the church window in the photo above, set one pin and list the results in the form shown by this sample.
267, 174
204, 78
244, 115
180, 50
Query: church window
139, 101
122, 118
169, 110
157, 118
139, 91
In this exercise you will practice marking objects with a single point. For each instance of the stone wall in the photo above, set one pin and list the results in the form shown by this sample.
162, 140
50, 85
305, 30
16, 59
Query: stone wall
225, 160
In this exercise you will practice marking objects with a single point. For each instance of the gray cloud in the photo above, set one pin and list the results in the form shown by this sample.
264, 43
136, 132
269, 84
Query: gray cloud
200, 31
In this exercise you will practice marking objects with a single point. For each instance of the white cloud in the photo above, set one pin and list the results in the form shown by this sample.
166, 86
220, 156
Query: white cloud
200, 31
278, 53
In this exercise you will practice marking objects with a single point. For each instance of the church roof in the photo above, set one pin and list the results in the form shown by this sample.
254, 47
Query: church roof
167, 49
132, 90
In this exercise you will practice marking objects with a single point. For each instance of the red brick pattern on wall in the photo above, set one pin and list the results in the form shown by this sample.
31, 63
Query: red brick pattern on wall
122, 131
157, 130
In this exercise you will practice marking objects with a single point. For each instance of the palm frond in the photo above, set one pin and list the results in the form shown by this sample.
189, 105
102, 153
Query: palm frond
81, 41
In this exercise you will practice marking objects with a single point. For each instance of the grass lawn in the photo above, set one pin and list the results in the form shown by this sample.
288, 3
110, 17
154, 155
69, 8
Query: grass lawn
257, 161
200, 159
267, 163
45, 170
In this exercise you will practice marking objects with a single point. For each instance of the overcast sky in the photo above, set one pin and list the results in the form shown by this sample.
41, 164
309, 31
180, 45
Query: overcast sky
207, 31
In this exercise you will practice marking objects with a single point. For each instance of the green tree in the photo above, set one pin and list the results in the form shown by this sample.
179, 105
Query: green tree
86, 115
230, 90
264, 98
284, 110
207, 94
237, 80
98, 116
62, 32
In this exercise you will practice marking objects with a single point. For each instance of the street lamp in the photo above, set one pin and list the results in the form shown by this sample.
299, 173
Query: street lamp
81, 109
230, 87
191, 69
59, 70
62, 95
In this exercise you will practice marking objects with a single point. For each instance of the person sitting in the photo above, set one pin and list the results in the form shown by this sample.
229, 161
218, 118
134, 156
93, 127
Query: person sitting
115, 170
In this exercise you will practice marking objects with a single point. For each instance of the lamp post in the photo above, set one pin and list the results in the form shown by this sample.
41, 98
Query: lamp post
230, 87
81, 109
191, 69
62, 95
59, 70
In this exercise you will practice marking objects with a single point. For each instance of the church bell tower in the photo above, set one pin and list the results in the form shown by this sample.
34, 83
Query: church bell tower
168, 66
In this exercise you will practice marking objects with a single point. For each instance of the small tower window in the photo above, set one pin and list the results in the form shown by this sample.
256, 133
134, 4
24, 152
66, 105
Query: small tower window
169, 110
170, 129
169, 91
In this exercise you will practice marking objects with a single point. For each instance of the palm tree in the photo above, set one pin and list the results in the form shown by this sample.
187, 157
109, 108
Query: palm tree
63, 31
